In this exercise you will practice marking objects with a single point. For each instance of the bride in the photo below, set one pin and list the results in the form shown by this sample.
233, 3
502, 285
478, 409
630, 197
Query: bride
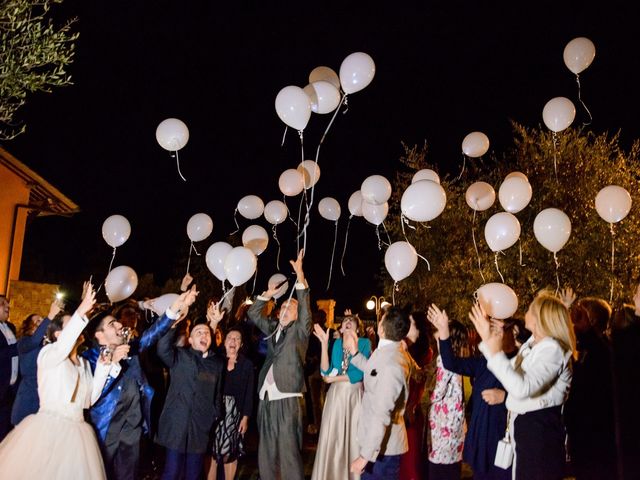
56, 443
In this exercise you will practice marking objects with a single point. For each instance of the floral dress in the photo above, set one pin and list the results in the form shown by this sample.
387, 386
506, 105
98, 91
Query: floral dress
446, 417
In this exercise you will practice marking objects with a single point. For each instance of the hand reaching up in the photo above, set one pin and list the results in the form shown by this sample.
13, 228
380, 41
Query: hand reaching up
440, 320
214, 315
88, 300
567, 296
184, 301
297, 266
186, 281
491, 337
321, 334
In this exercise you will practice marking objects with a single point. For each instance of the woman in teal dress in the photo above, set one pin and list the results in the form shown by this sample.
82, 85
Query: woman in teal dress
337, 446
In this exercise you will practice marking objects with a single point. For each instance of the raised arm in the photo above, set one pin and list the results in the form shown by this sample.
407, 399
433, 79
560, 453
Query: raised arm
62, 347
305, 322
166, 349
32, 342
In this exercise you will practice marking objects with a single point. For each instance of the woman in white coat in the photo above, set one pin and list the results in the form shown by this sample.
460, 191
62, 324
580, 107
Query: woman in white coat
56, 442
537, 382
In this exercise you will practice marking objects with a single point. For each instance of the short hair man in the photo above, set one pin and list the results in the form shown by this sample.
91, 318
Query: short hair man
8, 366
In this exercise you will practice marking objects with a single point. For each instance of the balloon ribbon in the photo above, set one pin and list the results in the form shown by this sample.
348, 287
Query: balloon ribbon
333, 251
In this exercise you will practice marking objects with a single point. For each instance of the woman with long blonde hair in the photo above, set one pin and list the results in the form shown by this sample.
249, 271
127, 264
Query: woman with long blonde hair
537, 382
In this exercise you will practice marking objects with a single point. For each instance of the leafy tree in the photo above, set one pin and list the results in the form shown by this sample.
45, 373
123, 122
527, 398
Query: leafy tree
586, 162
34, 56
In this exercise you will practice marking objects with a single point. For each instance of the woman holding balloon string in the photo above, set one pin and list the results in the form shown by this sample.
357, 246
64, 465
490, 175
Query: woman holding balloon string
337, 445
537, 382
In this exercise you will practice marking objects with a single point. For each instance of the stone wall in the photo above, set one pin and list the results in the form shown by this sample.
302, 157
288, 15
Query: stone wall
30, 297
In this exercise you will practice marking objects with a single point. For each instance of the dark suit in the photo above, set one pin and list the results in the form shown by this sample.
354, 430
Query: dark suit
280, 421
7, 391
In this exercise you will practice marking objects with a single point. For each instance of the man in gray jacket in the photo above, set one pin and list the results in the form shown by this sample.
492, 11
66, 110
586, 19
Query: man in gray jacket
382, 437
281, 380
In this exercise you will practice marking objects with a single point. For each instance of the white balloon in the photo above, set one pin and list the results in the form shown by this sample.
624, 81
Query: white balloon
498, 300
274, 280
293, 107
401, 260
375, 213
578, 54
199, 227
501, 231
356, 72
613, 203
423, 201
172, 134
355, 204
116, 230
275, 212
239, 265
250, 206
425, 174
329, 208
323, 96
310, 173
480, 196
517, 174
324, 74
255, 238
515, 194
120, 284
552, 229
375, 190
475, 144
558, 114
215, 256
159, 305
291, 182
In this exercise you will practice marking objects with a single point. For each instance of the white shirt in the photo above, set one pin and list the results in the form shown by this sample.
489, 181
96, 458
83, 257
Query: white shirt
538, 377
11, 339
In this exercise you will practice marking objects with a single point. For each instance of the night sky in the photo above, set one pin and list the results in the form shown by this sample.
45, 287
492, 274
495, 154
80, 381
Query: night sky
442, 71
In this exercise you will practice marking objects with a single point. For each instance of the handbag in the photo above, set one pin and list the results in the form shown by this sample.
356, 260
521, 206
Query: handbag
504, 451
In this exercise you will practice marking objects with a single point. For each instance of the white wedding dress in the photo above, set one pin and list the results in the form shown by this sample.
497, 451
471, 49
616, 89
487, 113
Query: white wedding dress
56, 443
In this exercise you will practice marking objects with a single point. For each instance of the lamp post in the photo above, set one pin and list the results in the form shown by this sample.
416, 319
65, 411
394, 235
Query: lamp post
377, 303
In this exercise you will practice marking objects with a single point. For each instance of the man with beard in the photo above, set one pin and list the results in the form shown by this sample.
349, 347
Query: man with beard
124, 408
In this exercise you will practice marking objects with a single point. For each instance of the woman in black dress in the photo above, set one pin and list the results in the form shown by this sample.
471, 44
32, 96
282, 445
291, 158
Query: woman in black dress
238, 391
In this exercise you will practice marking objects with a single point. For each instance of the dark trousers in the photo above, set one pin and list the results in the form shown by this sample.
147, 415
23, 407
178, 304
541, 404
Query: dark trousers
445, 471
178, 463
539, 437
121, 453
386, 467
280, 448
494, 473
6, 403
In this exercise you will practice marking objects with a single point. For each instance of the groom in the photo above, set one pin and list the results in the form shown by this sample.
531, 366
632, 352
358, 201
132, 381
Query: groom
382, 436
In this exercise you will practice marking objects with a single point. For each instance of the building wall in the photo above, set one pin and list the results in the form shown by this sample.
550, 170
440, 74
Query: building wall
13, 191
30, 297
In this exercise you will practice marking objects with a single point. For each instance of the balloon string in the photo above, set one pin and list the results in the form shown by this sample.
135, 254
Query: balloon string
498, 268
555, 257
378, 235
284, 200
613, 256
299, 233
306, 223
235, 219
346, 104
275, 237
555, 151
404, 220
580, 98
255, 276
344, 249
475, 244
280, 316
393, 292
464, 163
387, 232
520, 248
224, 287
178, 165
189, 260
113, 256
423, 258
226, 293
333, 251
284, 135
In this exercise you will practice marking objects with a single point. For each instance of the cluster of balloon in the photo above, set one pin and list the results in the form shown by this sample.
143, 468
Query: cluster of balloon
199, 227
375, 192
474, 145
400, 260
552, 229
237, 265
250, 207
498, 300
329, 209
613, 204
578, 55
172, 135
121, 281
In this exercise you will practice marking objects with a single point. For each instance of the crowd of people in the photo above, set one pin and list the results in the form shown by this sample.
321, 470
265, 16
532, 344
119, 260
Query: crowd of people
554, 394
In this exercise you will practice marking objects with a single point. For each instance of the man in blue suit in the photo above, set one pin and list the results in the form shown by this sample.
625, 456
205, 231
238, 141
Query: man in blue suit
124, 408
8, 367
